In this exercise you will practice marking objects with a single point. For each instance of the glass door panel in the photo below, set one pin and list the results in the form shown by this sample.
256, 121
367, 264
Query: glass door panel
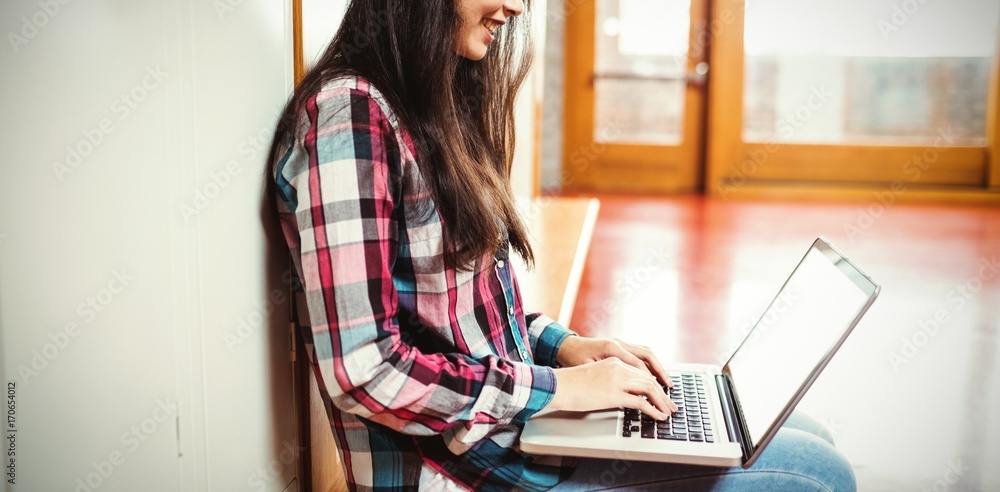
871, 73
854, 95
640, 64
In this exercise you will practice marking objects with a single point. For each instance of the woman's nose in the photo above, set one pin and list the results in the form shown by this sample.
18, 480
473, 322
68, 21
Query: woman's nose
513, 8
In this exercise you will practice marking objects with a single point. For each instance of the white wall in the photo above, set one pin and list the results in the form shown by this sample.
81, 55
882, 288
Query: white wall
553, 54
320, 20
522, 174
120, 309
525, 170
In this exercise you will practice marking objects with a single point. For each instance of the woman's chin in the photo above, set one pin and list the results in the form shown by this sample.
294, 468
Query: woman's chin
474, 53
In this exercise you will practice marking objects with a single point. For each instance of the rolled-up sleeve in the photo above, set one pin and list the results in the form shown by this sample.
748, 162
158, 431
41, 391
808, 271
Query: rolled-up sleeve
345, 183
546, 336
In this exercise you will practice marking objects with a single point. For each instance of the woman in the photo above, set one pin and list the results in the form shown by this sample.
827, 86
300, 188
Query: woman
391, 164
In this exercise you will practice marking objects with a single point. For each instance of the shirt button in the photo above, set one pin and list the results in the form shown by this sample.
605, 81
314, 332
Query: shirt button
500, 264
510, 310
524, 354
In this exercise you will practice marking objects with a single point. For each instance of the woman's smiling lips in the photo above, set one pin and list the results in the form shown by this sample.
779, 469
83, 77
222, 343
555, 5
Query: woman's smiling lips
492, 26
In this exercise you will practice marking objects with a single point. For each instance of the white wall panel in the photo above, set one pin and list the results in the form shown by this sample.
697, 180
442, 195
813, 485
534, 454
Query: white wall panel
157, 99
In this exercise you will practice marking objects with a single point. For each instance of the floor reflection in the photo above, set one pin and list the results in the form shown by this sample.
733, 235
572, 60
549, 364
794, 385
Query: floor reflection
913, 394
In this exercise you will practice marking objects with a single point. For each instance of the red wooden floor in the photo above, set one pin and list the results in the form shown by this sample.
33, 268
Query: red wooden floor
914, 401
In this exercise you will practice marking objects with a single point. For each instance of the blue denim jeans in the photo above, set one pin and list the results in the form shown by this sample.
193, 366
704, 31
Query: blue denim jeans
801, 457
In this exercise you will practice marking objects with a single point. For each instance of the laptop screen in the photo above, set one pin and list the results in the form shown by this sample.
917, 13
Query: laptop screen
818, 305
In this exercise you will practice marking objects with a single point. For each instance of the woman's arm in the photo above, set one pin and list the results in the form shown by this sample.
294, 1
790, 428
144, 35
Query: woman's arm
554, 345
546, 336
345, 190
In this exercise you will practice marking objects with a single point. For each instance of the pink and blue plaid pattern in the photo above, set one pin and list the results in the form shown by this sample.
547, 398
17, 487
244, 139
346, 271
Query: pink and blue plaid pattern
423, 369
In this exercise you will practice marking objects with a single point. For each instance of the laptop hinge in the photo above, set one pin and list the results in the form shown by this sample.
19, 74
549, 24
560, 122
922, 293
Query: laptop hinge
733, 414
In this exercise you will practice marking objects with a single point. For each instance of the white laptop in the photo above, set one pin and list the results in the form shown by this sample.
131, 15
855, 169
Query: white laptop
728, 414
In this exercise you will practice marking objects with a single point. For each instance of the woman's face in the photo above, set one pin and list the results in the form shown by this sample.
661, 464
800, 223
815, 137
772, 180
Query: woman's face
479, 21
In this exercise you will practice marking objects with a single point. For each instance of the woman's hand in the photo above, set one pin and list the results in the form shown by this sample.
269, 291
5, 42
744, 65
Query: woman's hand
577, 350
610, 383
600, 373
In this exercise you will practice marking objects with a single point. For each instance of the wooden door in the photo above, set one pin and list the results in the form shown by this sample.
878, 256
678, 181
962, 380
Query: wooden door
635, 92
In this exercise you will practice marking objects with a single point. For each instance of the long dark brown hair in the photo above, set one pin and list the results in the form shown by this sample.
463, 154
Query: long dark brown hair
460, 113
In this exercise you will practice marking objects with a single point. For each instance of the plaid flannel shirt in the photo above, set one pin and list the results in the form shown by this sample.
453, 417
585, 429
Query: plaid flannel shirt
428, 373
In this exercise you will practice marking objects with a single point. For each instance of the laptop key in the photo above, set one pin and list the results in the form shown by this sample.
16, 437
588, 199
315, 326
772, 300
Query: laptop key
674, 438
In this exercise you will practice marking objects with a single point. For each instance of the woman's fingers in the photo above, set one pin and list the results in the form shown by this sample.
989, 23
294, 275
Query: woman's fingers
645, 384
649, 362
620, 350
610, 383
641, 404
654, 394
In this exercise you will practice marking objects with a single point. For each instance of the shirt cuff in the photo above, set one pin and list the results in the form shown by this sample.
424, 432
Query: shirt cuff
529, 399
546, 336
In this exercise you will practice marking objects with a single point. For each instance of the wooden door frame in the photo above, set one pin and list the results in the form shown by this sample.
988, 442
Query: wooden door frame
993, 123
298, 54
734, 168
586, 162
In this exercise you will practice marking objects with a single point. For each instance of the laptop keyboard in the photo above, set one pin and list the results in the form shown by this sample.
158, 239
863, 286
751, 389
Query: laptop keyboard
691, 422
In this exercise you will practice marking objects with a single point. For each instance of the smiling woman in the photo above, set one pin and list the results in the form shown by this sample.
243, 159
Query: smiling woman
480, 23
390, 171
404, 129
